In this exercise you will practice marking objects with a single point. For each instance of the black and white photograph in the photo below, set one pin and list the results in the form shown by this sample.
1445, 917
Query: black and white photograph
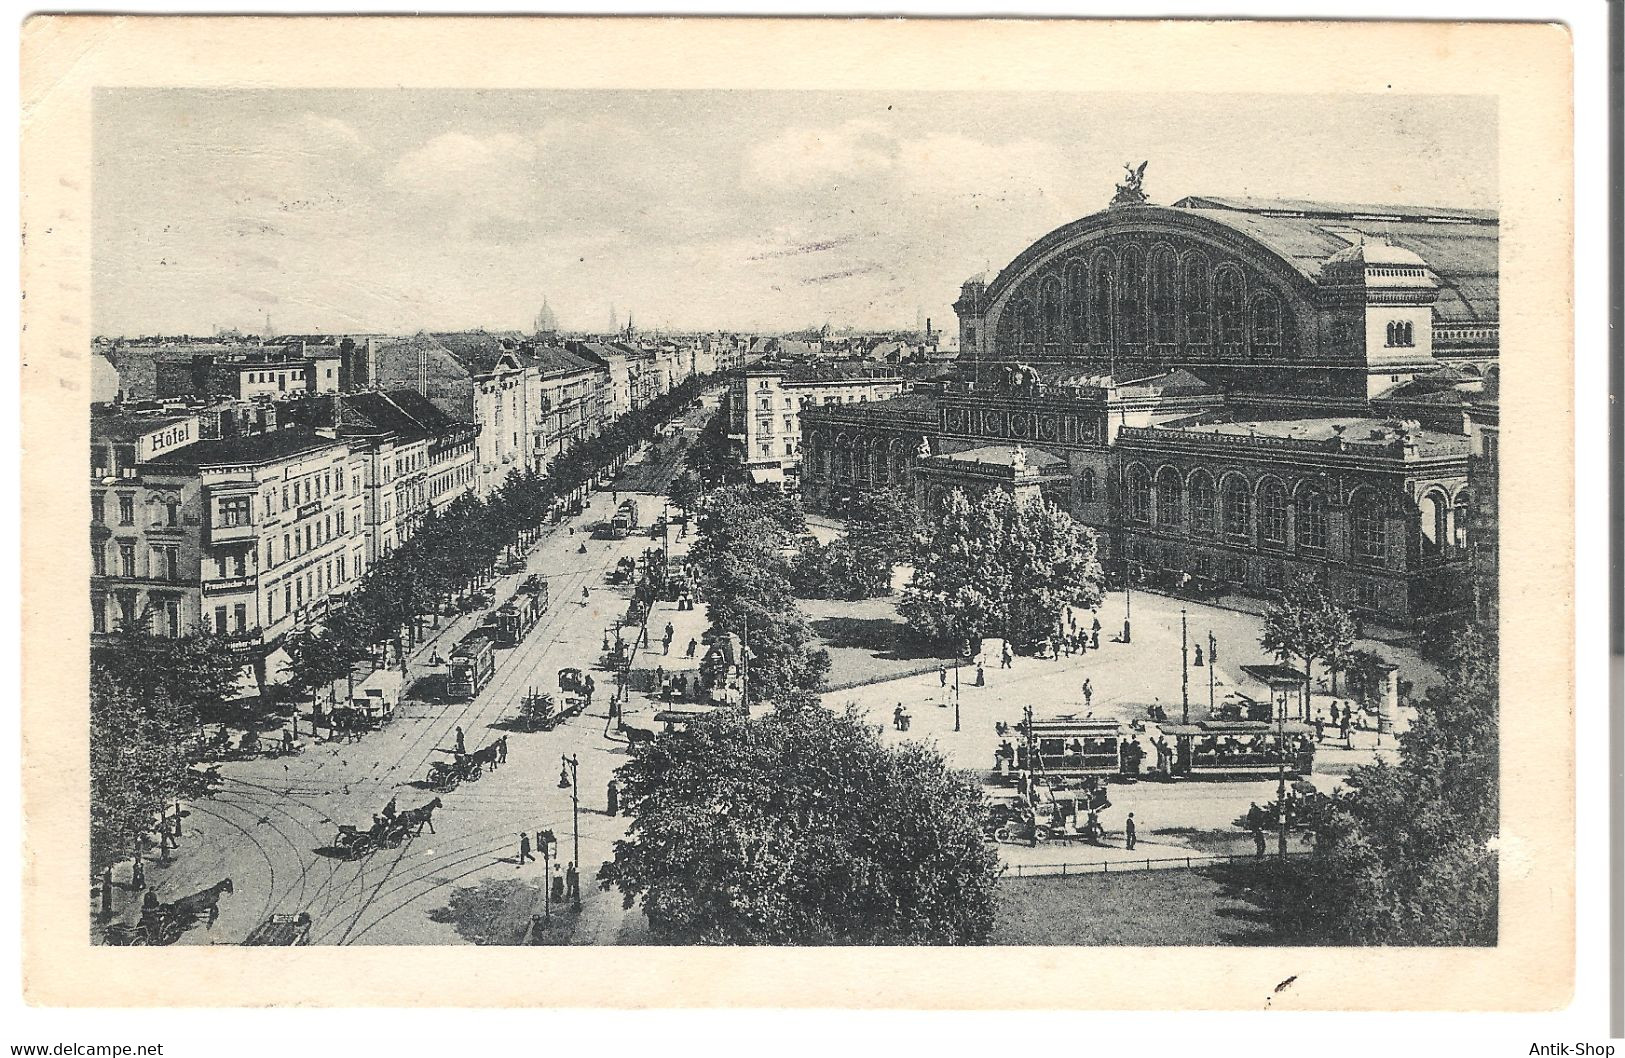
836, 518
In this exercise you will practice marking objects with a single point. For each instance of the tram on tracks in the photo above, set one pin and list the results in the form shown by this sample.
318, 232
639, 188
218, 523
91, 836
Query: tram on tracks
472, 664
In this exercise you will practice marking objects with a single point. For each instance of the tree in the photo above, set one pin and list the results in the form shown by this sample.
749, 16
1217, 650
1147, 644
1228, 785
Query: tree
685, 491
1408, 855
800, 827
1307, 623
742, 572
190, 675
137, 761
318, 659
1000, 567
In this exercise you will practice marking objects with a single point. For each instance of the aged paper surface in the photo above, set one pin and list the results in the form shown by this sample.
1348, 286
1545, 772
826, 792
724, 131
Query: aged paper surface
1524, 68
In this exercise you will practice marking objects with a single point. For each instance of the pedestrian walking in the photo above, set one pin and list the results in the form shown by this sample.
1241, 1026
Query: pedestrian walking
524, 850
1198, 655
1094, 639
460, 748
1128, 832
942, 676
586, 593
572, 882
558, 883
1320, 728
613, 799
1004, 656
693, 645
1095, 627
665, 644
1088, 692
287, 738
1258, 840
1348, 743
981, 675
502, 750
897, 717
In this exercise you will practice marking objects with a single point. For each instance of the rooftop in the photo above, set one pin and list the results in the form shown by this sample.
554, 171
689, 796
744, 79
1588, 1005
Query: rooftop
1460, 247
130, 426
275, 446
1379, 436
1005, 456
915, 406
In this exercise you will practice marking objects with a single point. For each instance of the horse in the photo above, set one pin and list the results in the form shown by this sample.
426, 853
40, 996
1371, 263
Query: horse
207, 901
486, 756
419, 817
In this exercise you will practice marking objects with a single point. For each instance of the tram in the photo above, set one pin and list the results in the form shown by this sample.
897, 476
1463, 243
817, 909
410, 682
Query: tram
473, 663
1222, 749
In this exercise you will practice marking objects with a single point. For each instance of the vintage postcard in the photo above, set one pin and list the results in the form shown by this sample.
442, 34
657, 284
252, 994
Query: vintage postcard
797, 513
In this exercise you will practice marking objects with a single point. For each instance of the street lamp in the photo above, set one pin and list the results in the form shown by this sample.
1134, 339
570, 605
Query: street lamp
1128, 597
550, 847
569, 780
1211, 647
1184, 671
1280, 768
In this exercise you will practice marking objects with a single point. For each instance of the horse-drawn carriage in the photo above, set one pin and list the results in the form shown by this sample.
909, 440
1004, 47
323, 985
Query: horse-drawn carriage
163, 923
222, 747
625, 571
281, 930
353, 842
445, 775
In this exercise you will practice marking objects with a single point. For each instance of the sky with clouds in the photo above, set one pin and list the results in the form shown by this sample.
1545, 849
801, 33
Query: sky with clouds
393, 211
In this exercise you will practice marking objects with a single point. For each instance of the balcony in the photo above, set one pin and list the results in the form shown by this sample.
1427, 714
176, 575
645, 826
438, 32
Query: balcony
220, 533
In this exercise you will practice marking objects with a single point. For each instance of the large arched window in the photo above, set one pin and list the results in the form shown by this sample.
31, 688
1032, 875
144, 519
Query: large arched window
1131, 297
1193, 297
1462, 512
1266, 319
1228, 305
1368, 526
1164, 279
1435, 509
1022, 319
1312, 521
1272, 512
1101, 301
1170, 498
1202, 503
1137, 483
1236, 507
1086, 486
1050, 298
1077, 304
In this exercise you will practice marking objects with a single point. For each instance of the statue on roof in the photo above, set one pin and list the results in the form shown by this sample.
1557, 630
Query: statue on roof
1131, 192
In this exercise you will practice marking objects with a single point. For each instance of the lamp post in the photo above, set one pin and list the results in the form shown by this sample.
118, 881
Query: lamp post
1280, 768
1128, 597
568, 780
956, 692
1210, 677
549, 845
1184, 671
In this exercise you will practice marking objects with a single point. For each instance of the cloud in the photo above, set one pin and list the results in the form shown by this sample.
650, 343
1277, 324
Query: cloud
806, 157
459, 164
324, 127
